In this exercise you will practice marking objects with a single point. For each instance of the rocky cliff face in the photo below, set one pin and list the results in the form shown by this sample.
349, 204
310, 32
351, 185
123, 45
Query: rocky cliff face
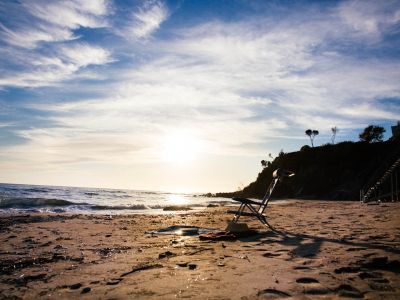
336, 172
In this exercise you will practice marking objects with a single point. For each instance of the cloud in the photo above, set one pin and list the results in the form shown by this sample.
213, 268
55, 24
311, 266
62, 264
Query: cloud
145, 20
30, 37
6, 124
40, 46
82, 55
66, 63
369, 19
52, 21
70, 14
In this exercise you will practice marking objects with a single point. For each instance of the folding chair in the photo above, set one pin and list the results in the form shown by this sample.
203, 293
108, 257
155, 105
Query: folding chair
256, 207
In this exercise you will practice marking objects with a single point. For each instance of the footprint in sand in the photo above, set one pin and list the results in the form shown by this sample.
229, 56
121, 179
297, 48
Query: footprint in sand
356, 249
346, 290
302, 268
307, 280
273, 294
270, 254
312, 286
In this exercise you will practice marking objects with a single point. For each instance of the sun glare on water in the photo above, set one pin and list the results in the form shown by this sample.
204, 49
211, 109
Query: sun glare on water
177, 199
181, 148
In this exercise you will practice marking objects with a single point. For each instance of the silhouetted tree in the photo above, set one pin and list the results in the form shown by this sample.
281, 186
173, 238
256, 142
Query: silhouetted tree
334, 132
265, 163
372, 134
312, 134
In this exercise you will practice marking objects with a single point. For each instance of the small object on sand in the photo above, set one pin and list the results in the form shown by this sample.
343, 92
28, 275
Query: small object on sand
192, 266
237, 227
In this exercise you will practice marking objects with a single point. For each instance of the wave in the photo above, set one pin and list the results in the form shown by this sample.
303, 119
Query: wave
36, 190
119, 207
34, 202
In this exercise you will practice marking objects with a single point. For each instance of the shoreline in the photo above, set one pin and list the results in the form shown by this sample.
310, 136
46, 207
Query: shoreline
328, 249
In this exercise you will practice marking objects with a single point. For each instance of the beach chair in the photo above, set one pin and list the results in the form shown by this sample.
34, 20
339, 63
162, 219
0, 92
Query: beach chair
256, 208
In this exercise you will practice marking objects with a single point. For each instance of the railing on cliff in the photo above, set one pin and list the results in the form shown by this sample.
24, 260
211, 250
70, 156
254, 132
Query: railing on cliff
384, 185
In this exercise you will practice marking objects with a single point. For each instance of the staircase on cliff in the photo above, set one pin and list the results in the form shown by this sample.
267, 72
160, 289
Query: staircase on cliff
385, 186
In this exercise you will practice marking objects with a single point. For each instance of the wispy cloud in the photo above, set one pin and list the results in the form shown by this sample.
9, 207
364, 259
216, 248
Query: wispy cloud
369, 19
145, 20
82, 55
65, 63
52, 21
40, 43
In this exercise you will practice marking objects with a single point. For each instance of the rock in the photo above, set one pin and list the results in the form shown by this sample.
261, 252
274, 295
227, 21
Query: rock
192, 266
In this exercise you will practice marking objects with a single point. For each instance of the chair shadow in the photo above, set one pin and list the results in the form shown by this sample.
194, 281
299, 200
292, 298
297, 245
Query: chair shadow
307, 245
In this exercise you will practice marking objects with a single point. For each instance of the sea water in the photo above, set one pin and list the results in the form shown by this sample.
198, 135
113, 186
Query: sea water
16, 198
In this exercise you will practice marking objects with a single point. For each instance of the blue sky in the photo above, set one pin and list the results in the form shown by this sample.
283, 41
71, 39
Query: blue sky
186, 95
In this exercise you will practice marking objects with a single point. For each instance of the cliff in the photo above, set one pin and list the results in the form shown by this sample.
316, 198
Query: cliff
335, 172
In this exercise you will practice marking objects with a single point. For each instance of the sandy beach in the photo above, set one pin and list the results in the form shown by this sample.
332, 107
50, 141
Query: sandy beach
324, 250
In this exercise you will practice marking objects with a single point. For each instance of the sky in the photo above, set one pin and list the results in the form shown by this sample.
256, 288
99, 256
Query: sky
186, 96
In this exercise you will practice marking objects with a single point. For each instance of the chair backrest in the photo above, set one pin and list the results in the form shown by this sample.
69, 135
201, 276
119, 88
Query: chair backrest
276, 176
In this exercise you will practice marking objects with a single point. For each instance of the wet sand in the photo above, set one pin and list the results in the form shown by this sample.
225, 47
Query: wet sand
325, 250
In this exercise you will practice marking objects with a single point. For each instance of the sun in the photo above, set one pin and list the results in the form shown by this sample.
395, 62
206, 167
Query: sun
181, 148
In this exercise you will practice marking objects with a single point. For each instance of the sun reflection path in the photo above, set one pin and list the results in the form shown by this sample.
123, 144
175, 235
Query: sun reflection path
177, 199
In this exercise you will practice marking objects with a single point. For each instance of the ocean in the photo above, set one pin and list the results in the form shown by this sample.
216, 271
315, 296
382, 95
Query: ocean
15, 198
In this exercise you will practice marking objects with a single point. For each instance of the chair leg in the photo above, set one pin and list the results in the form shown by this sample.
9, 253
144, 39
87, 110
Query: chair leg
264, 221
238, 214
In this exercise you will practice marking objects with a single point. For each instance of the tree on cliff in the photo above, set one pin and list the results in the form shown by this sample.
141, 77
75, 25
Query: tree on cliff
372, 134
312, 134
334, 132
